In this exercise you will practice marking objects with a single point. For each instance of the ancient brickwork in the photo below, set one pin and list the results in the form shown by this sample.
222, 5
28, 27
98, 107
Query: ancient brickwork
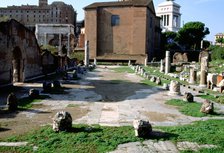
120, 30
20, 53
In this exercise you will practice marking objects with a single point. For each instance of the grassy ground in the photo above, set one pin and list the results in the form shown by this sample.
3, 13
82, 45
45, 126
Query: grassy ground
98, 139
124, 69
189, 109
202, 132
82, 139
27, 102
219, 99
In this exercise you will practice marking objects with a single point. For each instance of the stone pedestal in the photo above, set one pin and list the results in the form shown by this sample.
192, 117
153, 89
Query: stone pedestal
142, 128
174, 88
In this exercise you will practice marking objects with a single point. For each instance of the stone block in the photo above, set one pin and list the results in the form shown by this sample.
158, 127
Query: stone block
62, 121
142, 128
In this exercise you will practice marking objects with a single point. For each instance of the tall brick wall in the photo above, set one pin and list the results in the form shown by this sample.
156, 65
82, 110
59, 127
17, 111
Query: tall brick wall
18, 45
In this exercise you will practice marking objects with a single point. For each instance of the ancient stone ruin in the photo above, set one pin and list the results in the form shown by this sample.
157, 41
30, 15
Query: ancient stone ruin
174, 88
20, 57
188, 97
142, 128
62, 121
207, 107
34, 93
12, 102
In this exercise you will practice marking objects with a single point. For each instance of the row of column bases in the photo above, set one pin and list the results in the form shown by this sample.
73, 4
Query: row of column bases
193, 72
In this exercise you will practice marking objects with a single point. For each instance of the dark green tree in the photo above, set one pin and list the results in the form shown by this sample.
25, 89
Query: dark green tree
191, 35
168, 41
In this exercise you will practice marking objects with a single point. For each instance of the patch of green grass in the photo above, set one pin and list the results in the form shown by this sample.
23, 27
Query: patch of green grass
153, 84
220, 99
149, 83
81, 139
188, 108
202, 132
125, 69
27, 102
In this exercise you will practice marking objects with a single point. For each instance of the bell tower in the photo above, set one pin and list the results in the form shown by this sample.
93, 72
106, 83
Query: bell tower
43, 3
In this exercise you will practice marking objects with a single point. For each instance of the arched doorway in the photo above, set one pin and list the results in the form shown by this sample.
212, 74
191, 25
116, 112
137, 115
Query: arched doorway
17, 65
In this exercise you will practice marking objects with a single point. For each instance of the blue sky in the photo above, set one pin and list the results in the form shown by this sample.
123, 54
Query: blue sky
209, 12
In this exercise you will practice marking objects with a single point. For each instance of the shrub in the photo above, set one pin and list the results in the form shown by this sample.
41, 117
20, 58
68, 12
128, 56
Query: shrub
217, 53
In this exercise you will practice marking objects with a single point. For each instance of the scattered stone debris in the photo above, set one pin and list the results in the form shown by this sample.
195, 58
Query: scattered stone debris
207, 107
62, 121
188, 97
192, 146
12, 102
142, 128
34, 93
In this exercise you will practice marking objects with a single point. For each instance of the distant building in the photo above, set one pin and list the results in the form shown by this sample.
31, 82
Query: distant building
29, 15
123, 30
169, 11
217, 36
60, 35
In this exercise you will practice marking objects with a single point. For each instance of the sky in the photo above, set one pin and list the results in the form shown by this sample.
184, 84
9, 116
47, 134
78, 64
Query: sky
209, 12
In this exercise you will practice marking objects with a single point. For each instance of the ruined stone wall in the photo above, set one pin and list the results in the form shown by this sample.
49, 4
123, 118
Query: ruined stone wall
20, 53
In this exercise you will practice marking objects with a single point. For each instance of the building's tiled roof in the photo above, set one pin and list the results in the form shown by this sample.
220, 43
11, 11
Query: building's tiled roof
135, 3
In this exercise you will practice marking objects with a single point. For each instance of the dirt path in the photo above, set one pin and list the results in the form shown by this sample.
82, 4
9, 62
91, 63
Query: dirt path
100, 97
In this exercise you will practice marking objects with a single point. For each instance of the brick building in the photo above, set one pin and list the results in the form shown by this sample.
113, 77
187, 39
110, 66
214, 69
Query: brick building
122, 30
29, 15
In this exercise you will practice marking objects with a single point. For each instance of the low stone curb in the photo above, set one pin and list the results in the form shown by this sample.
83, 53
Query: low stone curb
13, 144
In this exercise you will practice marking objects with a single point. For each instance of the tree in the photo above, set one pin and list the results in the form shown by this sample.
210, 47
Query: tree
191, 35
168, 41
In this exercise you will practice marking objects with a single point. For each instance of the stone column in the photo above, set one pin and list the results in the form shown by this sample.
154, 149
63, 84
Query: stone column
193, 75
167, 64
86, 62
146, 60
36, 32
59, 45
204, 70
68, 48
129, 62
45, 38
161, 66
95, 61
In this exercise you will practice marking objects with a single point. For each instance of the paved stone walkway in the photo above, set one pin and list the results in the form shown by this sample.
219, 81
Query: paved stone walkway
145, 103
